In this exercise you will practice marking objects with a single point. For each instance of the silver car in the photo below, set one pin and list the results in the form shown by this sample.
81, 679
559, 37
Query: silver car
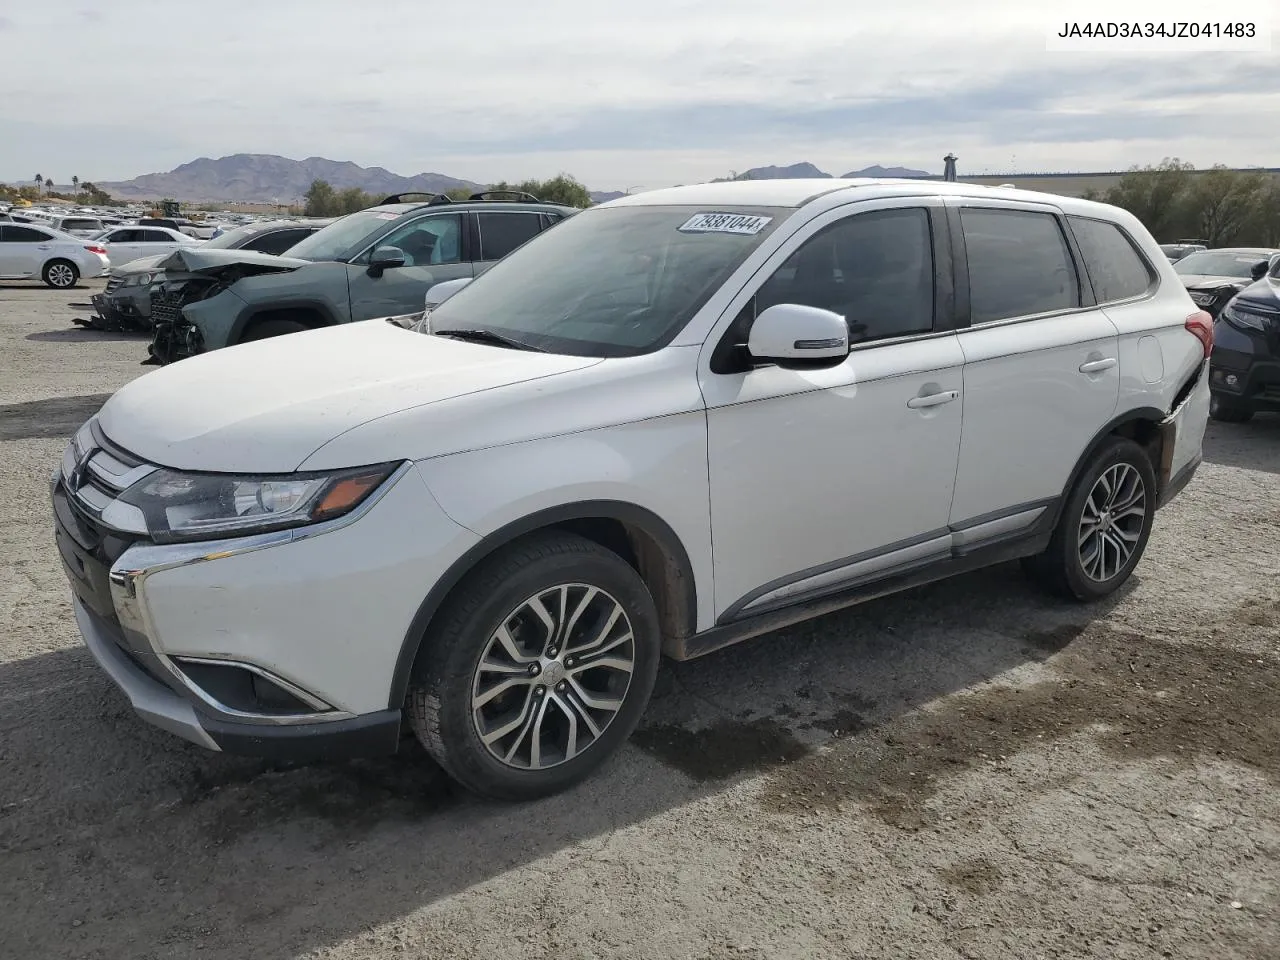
29, 252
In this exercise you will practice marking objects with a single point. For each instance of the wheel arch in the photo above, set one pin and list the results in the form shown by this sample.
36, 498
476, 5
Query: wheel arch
635, 533
313, 313
1141, 425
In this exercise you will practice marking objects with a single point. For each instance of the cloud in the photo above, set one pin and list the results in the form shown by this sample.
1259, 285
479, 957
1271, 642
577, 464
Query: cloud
674, 91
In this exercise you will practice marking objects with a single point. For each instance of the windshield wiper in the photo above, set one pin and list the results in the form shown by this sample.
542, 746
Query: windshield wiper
488, 336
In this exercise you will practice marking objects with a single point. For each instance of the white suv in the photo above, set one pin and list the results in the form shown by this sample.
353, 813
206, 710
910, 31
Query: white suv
678, 420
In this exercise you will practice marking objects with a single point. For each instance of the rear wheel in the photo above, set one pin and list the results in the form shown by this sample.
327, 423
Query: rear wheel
1228, 411
273, 328
60, 274
1104, 525
537, 669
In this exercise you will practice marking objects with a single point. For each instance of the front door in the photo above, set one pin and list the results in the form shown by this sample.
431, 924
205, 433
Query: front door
1041, 374
821, 479
433, 250
23, 250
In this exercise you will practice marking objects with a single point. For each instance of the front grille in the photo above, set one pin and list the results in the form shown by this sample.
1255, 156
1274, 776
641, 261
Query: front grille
166, 307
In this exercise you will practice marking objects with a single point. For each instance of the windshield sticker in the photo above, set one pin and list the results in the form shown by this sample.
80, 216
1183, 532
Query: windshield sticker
745, 225
386, 216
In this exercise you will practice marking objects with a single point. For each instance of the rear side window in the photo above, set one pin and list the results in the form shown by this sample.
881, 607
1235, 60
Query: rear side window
500, 233
156, 236
1112, 261
278, 242
1019, 264
15, 234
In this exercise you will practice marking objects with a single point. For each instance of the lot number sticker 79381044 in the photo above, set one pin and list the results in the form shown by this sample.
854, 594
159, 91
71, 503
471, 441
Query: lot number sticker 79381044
725, 223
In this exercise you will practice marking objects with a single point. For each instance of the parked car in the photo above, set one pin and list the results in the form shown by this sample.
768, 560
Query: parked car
1245, 372
126, 302
679, 419
374, 263
1215, 276
84, 227
126, 244
1176, 251
29, 251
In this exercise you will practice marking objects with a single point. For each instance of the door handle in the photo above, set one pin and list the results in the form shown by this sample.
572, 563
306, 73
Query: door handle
1097, 366
933, 399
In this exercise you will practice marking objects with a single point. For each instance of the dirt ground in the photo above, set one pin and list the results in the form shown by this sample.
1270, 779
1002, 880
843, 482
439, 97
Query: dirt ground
970, 770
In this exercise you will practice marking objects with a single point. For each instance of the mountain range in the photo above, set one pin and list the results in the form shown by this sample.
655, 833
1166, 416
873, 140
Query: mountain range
248, 177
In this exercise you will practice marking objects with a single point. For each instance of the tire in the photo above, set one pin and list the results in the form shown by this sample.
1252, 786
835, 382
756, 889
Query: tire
1228, 411
60, 274
448, 675
272, 328
1070, 566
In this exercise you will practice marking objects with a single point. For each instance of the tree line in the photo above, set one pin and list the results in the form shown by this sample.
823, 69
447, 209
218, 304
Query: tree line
82, 191
322, 199
1220, 206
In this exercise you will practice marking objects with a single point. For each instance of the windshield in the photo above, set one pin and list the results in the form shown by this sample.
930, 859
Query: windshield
610, 282
335, 240
1217, 263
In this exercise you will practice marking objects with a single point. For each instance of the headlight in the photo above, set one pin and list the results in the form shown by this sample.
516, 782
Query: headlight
1203, 299
1241, 318
139, 280
205, 506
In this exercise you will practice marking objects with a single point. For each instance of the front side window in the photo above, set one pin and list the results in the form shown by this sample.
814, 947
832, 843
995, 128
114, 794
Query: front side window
874, 269
610, 281
500, 233
1019, 264
432, 240
1115, 267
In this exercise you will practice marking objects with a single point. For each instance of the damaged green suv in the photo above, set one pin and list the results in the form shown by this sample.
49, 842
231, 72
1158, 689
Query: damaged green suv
379, 262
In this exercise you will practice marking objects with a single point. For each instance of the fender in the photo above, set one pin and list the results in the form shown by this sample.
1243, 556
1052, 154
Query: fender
659, 530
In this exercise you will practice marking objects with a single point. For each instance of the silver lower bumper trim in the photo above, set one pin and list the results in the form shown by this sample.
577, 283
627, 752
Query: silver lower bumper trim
154, 702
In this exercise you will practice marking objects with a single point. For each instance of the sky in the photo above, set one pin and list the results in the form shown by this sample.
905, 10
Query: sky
641, 96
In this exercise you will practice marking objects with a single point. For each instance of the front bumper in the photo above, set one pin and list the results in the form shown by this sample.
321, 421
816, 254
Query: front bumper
299, 630
1244, 367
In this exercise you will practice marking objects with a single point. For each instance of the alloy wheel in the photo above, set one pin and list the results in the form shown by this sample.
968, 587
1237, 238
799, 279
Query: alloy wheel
61, 275
553, 676
1112, 521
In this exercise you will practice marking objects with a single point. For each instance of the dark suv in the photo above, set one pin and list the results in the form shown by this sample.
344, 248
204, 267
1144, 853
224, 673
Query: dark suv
379, 262
1244, 373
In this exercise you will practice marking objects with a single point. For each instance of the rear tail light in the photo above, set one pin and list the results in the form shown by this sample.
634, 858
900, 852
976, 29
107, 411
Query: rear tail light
94, 248
1200, 325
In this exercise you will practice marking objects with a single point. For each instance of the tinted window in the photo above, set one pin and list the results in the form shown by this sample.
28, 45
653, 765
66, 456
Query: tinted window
124, 236
500, 233
16, 234
156, 236
610, 281
1116, 268
874, 269
277, 242
81, 225
431, 240
1019, 264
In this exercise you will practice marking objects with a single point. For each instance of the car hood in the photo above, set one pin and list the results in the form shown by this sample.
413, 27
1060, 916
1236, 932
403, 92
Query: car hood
194, 259
264, 407
141, 265
1264, 293
1199, 281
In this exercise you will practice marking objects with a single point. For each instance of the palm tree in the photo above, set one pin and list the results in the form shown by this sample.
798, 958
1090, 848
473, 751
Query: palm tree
48, 185
39, 183
75, 185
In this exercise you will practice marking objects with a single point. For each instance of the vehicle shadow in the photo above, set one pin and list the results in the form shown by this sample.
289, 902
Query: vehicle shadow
120, 840
77, 334
1254, 445
47, 419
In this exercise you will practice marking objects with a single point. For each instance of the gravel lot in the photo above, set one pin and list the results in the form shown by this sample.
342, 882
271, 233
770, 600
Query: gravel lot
968, 770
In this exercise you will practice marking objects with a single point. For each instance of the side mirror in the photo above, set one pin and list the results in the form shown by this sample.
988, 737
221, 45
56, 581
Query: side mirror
1259, 270
385, 258
792, 335
441, 292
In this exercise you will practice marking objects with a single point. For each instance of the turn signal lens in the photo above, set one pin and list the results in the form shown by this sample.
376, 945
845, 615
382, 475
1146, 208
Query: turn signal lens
345, 495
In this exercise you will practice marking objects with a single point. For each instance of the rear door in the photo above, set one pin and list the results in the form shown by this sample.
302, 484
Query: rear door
434, 252
1041, 361
23, 250
156, 241
498, 232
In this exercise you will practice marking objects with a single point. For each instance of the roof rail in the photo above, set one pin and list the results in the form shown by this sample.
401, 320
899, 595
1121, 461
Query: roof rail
518, 196
432, 198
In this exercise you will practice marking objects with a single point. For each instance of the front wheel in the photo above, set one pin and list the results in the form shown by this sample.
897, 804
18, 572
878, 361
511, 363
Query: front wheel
537, 669
1228, 411
1104, 526
60, 274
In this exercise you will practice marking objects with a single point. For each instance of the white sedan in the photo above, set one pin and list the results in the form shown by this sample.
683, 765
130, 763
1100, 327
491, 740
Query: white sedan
127, 243
28, 251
